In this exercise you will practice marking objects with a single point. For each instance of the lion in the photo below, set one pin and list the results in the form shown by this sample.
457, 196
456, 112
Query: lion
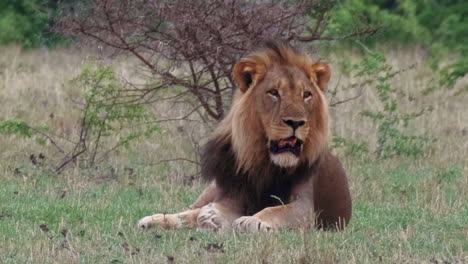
267, 163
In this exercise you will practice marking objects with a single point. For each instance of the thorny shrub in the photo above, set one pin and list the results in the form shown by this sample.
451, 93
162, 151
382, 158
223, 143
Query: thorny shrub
108, 121
393, 134
192, 44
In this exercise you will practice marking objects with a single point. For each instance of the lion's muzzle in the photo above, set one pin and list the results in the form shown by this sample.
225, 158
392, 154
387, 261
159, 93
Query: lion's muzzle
291, 144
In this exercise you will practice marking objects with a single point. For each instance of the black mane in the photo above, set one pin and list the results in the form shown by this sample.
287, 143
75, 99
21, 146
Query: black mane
267, 185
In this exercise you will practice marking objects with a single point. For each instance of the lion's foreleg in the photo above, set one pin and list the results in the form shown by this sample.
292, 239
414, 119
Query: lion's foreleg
170, 221
295, 214
187, 218
210, 194
218, 215
299, 212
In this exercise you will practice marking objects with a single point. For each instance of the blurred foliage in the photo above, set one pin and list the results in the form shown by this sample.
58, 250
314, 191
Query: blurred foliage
351, 147
393, 135
21, 128
14, 126
438, 25
110, 117
28, 22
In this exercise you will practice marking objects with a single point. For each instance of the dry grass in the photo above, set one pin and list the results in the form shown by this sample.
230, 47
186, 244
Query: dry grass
406, 210
34, 86
447, 123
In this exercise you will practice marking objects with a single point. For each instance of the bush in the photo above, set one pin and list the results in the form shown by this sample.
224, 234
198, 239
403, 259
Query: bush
440, 25
393, 133
393, 137
112, 117
28, 23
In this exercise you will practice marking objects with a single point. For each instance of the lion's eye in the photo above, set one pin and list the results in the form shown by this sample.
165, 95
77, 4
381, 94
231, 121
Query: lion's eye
273, 92
307, 95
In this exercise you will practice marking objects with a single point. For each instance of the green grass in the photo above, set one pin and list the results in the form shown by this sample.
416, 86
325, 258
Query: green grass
84, 218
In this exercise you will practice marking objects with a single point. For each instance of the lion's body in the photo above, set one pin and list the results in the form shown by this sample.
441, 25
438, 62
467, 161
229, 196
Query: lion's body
332, 200
267, 162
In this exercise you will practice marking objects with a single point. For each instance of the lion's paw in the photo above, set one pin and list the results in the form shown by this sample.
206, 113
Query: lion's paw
165, 221
210, 218
146, 222
251, 223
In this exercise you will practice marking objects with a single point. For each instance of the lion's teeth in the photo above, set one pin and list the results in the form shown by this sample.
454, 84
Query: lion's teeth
291, 142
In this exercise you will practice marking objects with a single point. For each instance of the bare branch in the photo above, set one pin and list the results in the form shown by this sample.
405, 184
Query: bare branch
201, 39
346, 100
364, 32
172, 160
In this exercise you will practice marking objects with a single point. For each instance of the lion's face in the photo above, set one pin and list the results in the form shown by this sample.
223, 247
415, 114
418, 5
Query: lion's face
280, 112
284, 101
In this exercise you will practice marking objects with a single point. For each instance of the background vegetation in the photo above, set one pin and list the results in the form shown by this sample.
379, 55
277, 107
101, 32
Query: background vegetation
83, 157
29, 23
439, 26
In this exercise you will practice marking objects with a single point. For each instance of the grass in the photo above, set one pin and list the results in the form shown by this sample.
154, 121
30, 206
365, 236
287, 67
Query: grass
405, 210
78, 219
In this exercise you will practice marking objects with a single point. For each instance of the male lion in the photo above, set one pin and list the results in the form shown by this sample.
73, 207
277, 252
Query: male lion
267, 162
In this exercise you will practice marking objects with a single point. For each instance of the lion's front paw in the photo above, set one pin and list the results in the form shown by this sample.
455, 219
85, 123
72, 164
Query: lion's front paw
210, 218
251, 223
165, 221
146, 222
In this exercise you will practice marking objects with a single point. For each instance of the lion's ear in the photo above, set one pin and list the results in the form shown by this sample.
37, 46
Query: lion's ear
323, 73
245, 73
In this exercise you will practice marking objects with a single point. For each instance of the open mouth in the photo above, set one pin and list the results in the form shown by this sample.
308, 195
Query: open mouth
291, 144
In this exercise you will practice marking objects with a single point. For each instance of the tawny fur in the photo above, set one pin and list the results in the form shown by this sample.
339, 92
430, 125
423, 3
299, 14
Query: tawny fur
252, 188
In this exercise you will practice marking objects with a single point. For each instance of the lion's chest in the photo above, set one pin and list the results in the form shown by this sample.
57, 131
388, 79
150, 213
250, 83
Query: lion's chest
267, 185
270, 189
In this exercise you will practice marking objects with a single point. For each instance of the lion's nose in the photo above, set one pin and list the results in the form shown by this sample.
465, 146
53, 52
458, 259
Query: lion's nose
294, 123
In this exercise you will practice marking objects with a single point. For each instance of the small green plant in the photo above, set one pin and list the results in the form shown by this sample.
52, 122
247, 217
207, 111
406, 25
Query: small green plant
111, 117
15, 126
351, 147
392, 135
22, 129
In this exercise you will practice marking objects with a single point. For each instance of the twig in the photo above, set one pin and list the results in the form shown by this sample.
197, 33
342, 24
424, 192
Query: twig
172, 160
366, 32
49, 138
345, 100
